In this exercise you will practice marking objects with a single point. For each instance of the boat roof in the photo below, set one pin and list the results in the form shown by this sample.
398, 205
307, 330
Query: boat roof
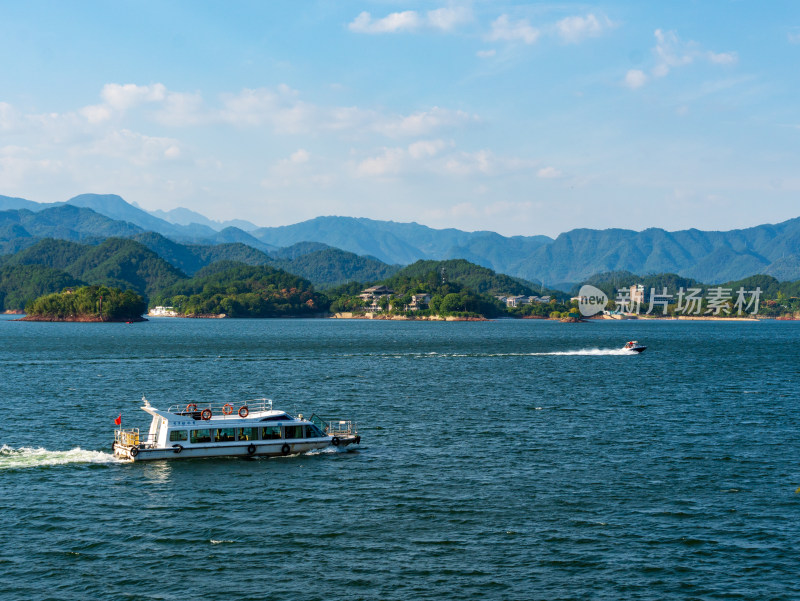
259, 410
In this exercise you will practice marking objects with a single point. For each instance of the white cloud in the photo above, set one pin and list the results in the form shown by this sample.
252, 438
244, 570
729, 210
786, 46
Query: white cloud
124, 97
177, 108
548, 173
506, 30
421, 123
291, 172
576, 29
393, 161
404, 21
447, 19
484, 162
635, 79
425, 148
794, 35
285, 112
96, 113
390, 161
9, 117
486, 53
281, 109
180, 109
443, 19
723, 58
299, 156
135, 148
671, 52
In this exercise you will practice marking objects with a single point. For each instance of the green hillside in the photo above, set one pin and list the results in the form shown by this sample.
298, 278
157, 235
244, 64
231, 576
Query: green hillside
20, 284
455, 287
611, 281
114, 262
59, 254
459, 271
190, 258
331, 267
64, 222
244, 291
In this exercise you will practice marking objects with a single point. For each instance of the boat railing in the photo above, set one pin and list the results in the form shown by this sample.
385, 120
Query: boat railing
335, 426
221, 410
128, 437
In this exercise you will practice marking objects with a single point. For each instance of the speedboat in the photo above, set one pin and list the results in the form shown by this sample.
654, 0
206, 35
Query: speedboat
634, 346
253, 429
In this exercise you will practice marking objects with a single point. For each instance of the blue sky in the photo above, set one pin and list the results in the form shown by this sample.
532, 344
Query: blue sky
517, 117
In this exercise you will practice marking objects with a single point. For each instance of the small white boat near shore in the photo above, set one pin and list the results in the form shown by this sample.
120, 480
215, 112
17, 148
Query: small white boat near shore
251, 429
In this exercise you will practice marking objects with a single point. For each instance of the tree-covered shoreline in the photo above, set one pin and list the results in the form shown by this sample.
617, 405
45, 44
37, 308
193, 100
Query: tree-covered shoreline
426, 289
87, 303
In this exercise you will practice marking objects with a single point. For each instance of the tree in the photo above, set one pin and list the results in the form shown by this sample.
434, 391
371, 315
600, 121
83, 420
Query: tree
451, 303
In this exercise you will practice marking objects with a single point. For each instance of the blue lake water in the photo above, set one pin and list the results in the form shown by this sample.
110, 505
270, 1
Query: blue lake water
500, 460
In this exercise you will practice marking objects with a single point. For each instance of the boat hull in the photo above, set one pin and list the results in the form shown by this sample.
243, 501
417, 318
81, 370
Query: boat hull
254, 449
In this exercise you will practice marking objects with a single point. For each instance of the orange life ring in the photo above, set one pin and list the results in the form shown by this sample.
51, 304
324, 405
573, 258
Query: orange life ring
206, 414
244, 411
191, 407
227, 409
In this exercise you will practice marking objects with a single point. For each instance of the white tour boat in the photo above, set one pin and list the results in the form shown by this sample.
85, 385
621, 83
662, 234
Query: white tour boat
253, 429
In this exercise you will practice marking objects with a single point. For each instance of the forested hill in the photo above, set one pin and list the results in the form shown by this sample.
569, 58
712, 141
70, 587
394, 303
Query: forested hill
190, 258
54, 264
329, 267
244, 291
612, 282
468, 275
64, 222
20, 284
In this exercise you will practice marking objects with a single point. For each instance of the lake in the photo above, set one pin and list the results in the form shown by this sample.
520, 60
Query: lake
515, 459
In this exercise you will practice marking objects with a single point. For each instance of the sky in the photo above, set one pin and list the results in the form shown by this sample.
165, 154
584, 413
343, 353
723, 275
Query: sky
522, 118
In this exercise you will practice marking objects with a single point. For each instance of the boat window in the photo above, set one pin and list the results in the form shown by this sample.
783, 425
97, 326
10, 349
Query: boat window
201, 436
313, 432
224, 434
293, 432
178, 436
248, 433
270, 433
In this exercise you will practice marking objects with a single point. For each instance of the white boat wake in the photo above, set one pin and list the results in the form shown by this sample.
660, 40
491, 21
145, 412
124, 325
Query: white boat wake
595, 352
25, 457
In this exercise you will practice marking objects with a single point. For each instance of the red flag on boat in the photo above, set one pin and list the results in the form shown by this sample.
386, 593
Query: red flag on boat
118, 421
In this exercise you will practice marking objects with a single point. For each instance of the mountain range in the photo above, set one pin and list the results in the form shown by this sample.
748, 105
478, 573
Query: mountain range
709, 256
148, 263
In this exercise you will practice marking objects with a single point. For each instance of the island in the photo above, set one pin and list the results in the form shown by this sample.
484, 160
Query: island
87, 304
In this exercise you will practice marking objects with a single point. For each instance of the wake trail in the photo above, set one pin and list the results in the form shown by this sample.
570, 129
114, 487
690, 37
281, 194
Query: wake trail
26, 457
595, 352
